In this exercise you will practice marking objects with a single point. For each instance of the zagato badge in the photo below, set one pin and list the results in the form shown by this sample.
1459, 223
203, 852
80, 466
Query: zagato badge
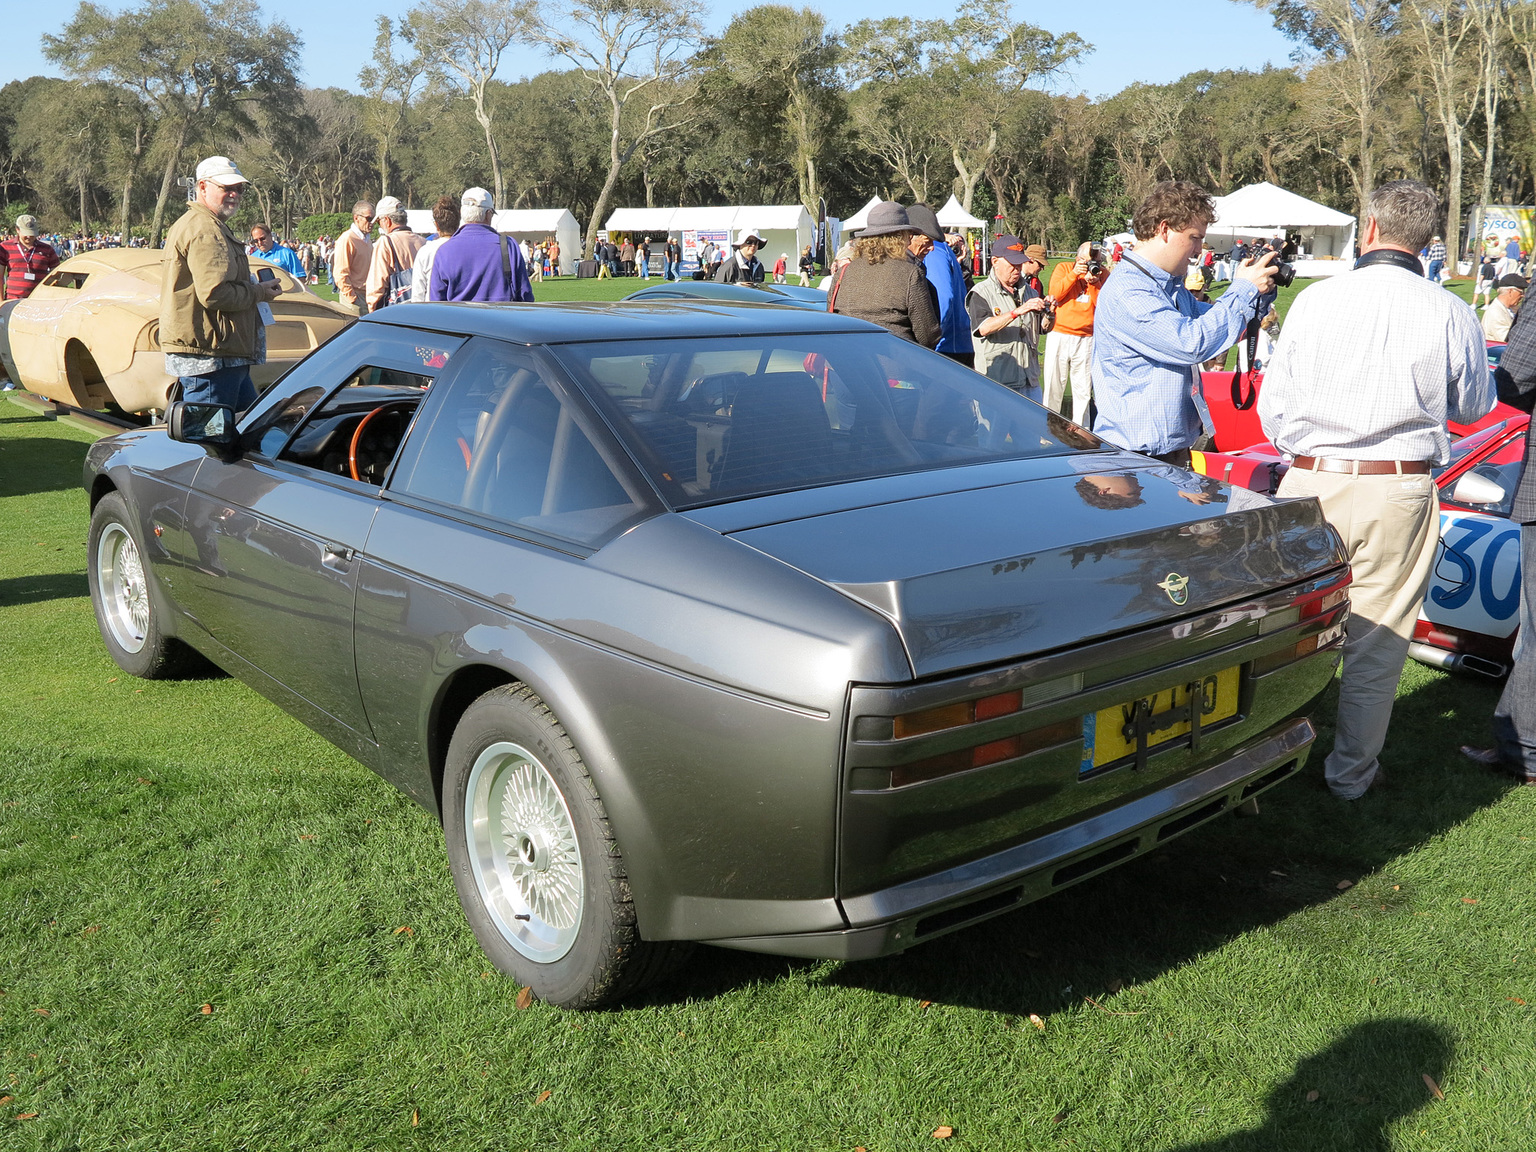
1177, 587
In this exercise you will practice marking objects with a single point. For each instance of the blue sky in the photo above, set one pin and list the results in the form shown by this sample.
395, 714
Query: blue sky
1133, 39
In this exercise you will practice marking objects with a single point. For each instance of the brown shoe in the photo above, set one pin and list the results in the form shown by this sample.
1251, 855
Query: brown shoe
1493, 758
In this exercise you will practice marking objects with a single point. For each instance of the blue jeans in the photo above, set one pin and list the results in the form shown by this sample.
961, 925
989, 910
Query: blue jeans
1514, 718
669, 270
231, 386
1433, 275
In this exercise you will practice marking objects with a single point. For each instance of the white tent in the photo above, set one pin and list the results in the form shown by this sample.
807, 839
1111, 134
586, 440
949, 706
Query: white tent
860, 218
787, 228
533, 224
954, 216
1263, 210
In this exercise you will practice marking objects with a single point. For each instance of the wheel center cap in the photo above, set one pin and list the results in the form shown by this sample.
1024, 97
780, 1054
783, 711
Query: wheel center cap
531, 850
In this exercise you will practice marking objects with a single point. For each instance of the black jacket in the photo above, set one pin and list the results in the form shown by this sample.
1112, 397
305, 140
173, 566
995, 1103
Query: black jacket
1516, 380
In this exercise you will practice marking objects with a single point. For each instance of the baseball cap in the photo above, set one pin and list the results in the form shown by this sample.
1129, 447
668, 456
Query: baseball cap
1510, 281
220, 170
476, 198
26, 225
1036, 252
1009, 248
388, 206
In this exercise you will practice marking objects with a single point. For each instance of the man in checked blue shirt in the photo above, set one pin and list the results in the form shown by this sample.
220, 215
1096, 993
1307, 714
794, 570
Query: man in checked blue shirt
1150, 333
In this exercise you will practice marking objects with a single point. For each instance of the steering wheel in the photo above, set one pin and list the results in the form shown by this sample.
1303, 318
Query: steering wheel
357, 435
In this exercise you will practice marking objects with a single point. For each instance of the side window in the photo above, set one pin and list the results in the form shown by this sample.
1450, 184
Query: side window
503, 444
357, 432
274, 434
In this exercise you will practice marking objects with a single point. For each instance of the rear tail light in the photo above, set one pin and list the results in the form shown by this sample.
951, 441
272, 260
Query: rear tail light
992, 752
1302, 648
986, 708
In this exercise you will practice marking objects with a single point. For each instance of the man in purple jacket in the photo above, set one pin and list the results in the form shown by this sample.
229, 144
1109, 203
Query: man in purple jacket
477, 263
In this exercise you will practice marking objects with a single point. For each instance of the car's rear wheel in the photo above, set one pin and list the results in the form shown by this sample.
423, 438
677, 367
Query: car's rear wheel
538, 869
125, 608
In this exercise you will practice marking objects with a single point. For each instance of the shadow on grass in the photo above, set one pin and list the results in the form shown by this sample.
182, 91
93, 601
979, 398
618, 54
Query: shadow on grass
1161, 910
1370, 1078
45, 586
41, 464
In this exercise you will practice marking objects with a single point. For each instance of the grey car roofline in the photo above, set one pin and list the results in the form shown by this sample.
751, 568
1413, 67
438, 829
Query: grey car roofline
571, 322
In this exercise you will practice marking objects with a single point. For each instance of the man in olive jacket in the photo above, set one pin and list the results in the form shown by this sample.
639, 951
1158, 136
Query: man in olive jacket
211, 330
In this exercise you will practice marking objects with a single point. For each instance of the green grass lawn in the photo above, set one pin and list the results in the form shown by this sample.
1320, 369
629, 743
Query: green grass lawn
219, 932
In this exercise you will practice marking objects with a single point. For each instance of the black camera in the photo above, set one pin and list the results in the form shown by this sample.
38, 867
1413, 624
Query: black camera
1095, 268
1284, 273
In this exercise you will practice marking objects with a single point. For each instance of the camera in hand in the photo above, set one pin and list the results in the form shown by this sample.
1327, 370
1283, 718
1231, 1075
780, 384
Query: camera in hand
1095, 267
1285, 273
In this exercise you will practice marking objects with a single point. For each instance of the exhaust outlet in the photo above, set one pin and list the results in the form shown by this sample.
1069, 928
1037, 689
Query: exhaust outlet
1456, 661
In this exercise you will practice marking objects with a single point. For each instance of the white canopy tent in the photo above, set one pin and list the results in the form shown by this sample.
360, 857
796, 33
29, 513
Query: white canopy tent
1264, 210
954, 216
860, 218
786, 228
533, 224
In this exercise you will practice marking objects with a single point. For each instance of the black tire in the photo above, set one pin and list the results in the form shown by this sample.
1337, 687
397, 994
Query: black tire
540, 827
119, 578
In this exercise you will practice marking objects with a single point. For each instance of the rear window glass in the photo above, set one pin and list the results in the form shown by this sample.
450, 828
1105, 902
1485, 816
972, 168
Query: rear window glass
719, 419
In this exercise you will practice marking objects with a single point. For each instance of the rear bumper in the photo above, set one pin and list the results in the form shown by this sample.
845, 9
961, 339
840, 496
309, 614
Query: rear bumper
896, 918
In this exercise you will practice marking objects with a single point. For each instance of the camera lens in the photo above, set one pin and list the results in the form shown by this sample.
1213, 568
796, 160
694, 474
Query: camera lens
1285, 274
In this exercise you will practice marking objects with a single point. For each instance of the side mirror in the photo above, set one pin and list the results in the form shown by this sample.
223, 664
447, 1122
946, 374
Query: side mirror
212, 425
1474, 488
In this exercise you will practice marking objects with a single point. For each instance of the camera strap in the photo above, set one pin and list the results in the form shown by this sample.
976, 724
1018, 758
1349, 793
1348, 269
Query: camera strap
1393, 256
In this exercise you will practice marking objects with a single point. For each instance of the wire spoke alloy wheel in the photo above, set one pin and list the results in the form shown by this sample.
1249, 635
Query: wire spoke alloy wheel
522, 846
124, 593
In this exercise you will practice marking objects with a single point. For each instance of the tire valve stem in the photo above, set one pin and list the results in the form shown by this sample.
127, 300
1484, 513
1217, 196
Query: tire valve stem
522, 916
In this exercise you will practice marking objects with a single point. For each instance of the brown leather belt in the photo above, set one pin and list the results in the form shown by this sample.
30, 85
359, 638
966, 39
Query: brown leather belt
1364, 467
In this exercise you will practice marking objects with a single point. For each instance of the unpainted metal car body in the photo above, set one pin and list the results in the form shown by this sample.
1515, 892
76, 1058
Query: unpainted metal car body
746, 625
89, 333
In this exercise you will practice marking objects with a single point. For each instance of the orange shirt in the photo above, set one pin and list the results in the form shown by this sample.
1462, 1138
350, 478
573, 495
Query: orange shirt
1075, 298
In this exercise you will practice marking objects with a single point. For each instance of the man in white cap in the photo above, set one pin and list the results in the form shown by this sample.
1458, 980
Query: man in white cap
477, 263
211, 329
24, 260
354, 258
394, 257
743, 264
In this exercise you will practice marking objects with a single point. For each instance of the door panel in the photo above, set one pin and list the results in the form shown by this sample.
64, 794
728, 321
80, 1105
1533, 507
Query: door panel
276, 573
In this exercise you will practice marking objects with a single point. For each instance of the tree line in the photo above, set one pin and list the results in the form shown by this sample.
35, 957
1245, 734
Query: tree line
639, 106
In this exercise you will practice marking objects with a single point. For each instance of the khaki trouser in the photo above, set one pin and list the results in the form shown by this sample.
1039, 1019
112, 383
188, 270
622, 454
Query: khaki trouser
1066, 356
1388, 524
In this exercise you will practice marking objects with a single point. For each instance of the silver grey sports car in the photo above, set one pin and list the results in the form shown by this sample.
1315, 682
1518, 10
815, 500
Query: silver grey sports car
707, 622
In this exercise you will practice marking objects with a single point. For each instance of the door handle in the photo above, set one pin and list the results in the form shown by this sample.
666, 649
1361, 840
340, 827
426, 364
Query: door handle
335, 556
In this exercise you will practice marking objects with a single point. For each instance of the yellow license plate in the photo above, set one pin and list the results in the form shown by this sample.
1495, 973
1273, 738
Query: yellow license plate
1109, 734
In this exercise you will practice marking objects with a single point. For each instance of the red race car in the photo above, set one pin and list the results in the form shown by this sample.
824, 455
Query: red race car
1471, 611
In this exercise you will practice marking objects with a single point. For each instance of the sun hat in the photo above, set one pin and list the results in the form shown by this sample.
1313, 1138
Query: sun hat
887, 218
747, 234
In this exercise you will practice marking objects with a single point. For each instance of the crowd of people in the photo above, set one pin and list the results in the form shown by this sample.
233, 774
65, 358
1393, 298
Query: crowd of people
1359, 389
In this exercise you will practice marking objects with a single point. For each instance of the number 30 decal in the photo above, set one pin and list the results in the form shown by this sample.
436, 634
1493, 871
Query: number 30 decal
1476, 578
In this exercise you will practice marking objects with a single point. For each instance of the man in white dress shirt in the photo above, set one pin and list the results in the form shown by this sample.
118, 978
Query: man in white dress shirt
1368, 369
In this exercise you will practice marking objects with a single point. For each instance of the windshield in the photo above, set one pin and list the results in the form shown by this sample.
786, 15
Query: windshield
719, 419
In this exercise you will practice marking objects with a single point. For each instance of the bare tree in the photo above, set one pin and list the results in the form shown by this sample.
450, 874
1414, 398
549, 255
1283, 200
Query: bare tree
636, 54
462, 43
1353, 38
390, 83
1444, 46
192, 60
